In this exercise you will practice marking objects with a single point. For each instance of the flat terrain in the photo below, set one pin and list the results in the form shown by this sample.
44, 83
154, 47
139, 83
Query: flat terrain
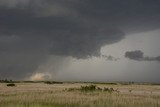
68, 95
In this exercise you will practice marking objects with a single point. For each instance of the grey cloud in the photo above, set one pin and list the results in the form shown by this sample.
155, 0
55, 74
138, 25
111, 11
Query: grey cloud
68, 36
134, 55
110, 58
138, 55
80, 33
31, 30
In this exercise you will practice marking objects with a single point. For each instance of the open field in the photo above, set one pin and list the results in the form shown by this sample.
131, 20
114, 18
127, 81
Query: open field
68, 95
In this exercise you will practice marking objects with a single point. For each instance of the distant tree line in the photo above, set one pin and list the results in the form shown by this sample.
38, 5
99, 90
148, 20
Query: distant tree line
6, 81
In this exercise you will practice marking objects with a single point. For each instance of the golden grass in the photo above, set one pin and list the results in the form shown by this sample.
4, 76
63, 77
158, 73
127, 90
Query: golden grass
43, 95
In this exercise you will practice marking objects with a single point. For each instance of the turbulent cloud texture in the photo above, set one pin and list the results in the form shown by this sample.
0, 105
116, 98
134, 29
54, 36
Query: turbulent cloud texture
139, 56
109, 58
32, 30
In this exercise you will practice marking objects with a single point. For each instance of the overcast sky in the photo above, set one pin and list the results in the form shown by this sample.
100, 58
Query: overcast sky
80, 40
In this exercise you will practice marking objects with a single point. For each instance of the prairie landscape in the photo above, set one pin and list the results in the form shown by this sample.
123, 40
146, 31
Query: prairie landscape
80, 53
79, 95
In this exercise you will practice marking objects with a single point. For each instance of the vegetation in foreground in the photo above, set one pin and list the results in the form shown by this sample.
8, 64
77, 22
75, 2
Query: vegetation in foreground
79, 95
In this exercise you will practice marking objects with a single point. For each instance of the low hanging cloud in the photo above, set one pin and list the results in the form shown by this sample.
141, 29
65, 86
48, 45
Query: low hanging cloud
33, 30
138, 55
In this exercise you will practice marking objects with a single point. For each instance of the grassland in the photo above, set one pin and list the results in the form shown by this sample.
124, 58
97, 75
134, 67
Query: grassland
60, 95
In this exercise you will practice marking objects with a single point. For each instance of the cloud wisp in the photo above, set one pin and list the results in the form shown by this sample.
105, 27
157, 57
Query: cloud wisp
110, 58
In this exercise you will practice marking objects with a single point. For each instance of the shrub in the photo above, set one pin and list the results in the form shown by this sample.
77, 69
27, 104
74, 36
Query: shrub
48, 82
11, 84
72, 89
130, 90
6, 81
52, 82
110, 90
99, 89
88, 88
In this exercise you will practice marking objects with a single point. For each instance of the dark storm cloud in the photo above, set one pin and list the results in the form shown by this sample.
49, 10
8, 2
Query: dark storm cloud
30, 30
138, 55
69, 36
134, 55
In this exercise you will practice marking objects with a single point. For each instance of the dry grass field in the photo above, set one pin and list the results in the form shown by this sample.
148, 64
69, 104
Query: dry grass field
68, 95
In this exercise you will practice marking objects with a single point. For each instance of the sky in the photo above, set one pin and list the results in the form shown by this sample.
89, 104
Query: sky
80, 40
